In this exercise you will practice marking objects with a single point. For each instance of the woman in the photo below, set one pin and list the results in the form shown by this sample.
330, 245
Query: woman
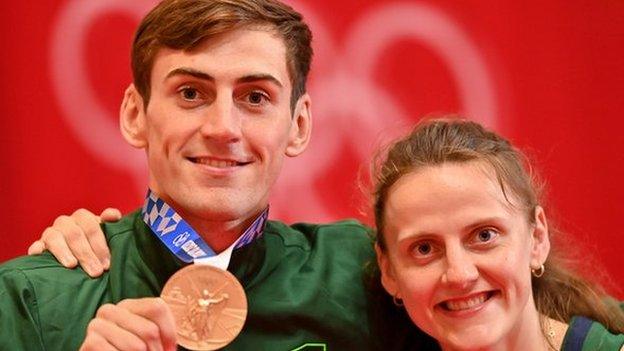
464, 245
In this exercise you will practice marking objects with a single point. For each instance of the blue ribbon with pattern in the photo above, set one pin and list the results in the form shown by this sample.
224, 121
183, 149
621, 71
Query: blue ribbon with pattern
180, 238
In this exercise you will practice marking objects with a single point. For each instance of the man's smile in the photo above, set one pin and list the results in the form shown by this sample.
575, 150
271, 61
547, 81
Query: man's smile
222, 163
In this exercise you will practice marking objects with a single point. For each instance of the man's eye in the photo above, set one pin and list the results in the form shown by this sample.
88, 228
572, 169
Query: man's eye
422, 249
189, 94
256, 97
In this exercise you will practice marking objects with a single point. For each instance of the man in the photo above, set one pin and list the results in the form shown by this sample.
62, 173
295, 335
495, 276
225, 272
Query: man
217, 102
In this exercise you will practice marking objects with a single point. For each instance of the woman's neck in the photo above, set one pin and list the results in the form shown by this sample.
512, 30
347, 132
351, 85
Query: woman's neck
534, 332
531, 332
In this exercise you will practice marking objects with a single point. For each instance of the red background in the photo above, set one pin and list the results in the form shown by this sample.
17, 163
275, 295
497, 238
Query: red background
555, 71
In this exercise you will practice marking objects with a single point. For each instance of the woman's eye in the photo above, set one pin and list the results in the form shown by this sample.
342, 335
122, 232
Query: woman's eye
424, 252
486, 235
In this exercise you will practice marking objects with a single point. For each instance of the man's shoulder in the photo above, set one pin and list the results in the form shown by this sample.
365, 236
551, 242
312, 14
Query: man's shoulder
43, 303
28, 265
127, 225
345, 227
43, 269
334, 236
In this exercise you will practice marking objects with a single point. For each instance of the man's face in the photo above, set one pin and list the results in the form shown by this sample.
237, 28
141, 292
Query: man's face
218, 125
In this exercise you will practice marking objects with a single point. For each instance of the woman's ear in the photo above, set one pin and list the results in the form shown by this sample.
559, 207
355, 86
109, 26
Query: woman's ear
301, 127
388, 278
540, 239
132, 118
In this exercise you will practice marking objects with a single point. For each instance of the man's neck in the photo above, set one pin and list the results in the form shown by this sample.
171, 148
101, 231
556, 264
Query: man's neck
219, 231
219, 235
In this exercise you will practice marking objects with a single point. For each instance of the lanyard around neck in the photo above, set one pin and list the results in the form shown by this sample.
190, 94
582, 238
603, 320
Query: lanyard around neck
184, 242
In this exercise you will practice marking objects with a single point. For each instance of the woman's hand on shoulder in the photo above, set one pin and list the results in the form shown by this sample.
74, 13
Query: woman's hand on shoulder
78, 239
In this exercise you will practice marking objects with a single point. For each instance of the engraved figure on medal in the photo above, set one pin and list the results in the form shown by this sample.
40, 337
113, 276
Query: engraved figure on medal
202, 314
208, 304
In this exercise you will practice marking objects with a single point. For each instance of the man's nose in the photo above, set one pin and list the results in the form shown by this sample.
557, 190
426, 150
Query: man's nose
222, 121
461, 270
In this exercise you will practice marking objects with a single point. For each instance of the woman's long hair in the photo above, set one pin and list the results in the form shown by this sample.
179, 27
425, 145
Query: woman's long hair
560, 293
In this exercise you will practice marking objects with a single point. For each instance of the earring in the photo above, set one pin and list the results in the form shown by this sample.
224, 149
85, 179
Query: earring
538, 272
397, 301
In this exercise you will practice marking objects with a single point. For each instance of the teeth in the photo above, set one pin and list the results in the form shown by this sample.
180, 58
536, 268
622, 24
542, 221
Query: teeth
216, 163
458, 305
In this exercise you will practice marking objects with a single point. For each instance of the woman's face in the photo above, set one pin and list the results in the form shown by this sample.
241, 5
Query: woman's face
460, 256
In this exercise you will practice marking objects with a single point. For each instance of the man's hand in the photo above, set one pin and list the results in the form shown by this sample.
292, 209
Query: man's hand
78, 239
132, 324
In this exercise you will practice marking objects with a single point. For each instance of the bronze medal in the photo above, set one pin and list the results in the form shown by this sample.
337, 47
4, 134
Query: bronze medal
209, 306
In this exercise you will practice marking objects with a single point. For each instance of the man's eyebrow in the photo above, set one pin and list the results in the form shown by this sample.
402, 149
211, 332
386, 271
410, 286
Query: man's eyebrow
184, 71
258, 77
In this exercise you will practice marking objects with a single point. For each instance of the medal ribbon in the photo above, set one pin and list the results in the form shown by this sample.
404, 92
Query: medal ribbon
184, 242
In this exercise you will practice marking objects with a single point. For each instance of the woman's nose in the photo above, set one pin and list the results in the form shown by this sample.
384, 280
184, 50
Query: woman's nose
461, 270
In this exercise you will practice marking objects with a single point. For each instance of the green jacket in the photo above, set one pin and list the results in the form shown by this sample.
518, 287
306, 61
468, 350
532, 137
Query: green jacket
304, 284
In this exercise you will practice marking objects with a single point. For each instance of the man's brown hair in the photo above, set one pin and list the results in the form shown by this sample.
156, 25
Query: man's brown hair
184, 24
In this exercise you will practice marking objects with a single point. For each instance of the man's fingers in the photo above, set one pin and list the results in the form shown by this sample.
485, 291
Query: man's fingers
90, 225
110, 215
36, 248
156, 310
142, 328
115, 335
132, 324
77, 241
54, 241
96, 342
